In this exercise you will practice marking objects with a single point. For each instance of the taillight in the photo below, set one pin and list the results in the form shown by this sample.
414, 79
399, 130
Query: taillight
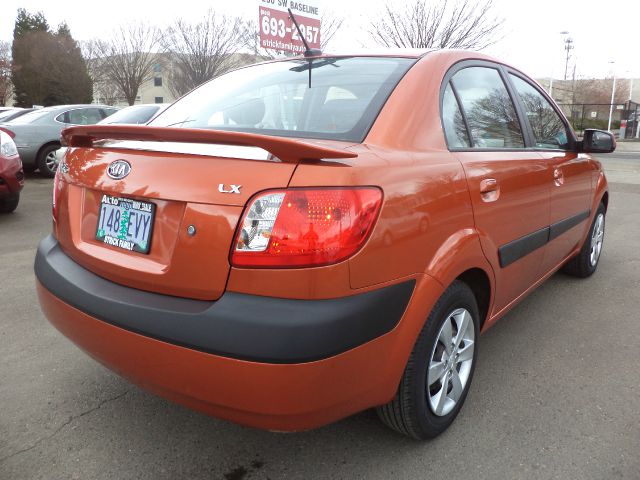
57, 185
305, 227
8, 132
7, 146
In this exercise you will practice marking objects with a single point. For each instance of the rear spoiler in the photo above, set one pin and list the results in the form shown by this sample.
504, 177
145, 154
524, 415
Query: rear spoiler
290, 150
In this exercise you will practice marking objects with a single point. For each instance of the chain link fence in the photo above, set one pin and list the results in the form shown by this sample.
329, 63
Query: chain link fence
625, 117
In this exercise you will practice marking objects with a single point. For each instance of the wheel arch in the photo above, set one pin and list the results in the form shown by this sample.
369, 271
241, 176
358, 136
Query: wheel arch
45, 145
480, 284
605, 200
461, 258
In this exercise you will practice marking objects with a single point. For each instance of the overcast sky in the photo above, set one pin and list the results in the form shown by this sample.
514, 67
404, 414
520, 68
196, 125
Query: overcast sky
602, 31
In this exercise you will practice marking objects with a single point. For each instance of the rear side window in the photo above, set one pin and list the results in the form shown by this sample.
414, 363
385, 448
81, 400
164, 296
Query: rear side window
335, 98
549, 131
488, 108
84, 116
454, 127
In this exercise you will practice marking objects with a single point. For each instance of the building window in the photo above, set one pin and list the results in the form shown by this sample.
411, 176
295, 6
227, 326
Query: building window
157, 68
157, 82
159, 100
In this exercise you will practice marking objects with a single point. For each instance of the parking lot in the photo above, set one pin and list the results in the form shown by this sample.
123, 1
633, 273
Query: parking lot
556, 392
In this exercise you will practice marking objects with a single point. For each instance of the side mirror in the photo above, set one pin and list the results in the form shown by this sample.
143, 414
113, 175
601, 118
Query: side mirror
598, 141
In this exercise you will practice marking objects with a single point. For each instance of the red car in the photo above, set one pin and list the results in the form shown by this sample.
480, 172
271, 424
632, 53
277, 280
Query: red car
11, 174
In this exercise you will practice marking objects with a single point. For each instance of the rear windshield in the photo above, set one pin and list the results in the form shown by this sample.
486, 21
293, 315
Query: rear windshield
344, 99
32, 116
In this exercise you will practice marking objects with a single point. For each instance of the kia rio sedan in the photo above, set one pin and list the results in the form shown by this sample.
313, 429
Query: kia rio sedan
300, 240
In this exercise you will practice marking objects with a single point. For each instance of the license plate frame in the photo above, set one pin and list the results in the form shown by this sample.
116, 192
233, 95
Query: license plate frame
122, 238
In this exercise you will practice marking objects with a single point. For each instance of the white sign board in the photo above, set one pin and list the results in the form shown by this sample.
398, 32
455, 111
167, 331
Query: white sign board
277, 31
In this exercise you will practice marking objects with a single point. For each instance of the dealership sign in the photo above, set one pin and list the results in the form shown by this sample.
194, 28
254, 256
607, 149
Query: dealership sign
277, 31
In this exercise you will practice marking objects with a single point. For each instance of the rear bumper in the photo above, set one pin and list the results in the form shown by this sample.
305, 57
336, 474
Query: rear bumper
11, 176
28, 154
247, 327
282, 394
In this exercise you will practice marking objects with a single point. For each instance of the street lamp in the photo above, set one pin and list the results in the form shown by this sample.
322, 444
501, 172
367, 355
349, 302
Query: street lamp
613, 92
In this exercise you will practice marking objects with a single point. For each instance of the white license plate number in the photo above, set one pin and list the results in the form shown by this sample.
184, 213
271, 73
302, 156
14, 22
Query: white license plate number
125, 223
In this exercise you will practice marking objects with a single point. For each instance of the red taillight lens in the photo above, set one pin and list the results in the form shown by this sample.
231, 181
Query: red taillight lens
305, 227
8, 132
57, 185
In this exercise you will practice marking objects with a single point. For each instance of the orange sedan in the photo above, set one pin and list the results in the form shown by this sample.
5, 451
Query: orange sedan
300, 240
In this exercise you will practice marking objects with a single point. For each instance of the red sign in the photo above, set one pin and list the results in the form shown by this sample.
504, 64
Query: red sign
278, 32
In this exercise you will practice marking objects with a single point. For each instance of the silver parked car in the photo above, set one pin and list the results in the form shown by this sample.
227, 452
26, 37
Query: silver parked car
37, 133
132, 115
13, 113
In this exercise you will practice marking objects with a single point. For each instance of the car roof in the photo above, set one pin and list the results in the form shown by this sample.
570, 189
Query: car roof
378, 52
79, 105
450, 54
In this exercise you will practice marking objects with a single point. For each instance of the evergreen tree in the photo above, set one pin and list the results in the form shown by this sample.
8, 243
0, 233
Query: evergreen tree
71, 82
48, 68
27, 82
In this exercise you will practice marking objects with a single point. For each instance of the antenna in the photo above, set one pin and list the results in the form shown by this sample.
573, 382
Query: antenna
309, 52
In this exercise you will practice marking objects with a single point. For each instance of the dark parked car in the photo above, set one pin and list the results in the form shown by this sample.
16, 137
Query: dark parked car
11, 174
37, 133
135, 114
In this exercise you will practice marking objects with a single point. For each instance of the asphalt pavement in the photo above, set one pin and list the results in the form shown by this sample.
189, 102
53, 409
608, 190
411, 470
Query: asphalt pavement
556, 392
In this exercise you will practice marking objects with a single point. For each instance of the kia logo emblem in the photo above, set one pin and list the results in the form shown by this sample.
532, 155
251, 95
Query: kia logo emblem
118, 169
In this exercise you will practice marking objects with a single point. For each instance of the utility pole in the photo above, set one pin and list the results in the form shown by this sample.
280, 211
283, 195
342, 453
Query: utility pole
573, 84
564, 32
568, 46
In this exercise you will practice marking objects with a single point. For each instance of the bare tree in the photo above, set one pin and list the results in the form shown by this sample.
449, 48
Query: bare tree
6, 87
437, 24
597, 91
201, 51
128, 59
329, 25
104, 90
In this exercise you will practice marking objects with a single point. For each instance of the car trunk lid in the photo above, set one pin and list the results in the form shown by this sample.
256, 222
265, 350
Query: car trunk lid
197, 181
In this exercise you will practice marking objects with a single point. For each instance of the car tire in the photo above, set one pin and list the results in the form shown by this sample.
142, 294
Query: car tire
9, 203
436, 380
47, 163
585, 263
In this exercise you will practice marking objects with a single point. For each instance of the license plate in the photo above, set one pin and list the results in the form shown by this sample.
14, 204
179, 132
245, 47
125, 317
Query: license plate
125, 223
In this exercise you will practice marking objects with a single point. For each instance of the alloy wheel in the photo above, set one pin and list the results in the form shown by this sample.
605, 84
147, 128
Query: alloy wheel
51, 161
597, 237
451, 362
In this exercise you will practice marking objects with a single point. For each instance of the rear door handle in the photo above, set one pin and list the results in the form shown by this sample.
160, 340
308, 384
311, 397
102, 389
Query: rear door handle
488, 185
489, 190
558, 177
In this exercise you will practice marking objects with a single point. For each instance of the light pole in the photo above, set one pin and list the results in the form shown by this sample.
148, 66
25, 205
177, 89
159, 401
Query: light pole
613, 92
